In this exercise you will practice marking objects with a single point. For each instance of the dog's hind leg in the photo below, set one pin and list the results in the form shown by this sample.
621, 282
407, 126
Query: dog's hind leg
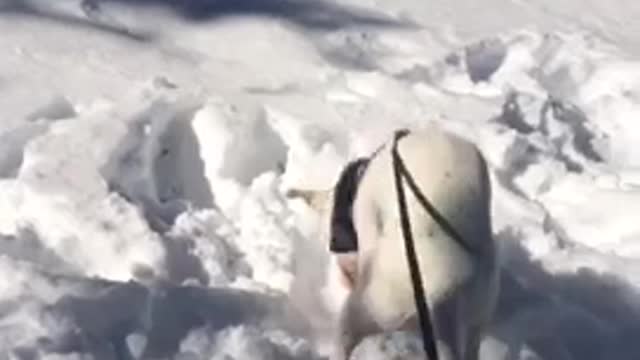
472, 343
354, 324
458, 333
446, 329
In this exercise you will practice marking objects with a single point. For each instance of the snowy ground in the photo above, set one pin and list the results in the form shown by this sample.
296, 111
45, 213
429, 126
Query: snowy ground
145, 147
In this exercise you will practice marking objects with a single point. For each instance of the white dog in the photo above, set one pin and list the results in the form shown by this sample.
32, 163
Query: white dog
460, 280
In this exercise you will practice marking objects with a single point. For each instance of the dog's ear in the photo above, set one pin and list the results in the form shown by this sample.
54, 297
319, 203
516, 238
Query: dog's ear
316, 199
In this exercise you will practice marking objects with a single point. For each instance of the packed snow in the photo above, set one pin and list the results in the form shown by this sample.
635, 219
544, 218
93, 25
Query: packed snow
146, 148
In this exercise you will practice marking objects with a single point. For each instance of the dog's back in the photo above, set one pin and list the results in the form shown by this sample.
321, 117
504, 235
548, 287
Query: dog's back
460, 280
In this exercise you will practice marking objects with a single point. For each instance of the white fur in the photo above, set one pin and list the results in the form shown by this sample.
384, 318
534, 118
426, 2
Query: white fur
336, 291
461, 287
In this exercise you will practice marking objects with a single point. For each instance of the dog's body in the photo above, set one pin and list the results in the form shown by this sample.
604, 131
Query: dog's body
461, 284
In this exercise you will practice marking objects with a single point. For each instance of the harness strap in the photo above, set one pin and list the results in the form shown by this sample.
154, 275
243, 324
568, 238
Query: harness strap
344, 237
426, 326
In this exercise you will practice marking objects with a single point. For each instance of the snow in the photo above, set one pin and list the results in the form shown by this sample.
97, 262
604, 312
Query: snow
146, 147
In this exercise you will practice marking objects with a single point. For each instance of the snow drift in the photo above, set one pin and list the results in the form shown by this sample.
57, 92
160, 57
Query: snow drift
145, 150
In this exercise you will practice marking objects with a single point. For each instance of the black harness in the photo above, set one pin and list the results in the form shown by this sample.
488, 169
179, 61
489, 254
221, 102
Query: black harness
343, 233
344, 237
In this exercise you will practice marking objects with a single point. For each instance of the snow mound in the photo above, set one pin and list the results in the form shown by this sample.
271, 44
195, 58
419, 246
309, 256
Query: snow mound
241, 342
145, 150
86, 225
235, 148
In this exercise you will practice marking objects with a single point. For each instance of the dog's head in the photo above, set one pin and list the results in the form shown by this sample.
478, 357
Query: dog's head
335, 206
321, 202
318, 200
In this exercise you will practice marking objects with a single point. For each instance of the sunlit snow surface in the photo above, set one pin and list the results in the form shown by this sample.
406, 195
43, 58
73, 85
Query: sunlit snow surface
145, 147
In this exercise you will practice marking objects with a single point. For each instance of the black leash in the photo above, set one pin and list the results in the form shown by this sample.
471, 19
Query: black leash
400, 171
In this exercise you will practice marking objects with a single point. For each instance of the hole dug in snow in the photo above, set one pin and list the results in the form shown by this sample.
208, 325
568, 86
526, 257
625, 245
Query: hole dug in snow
57, 108
157, 163
13, 141
12, 144
484, 58
178, 169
